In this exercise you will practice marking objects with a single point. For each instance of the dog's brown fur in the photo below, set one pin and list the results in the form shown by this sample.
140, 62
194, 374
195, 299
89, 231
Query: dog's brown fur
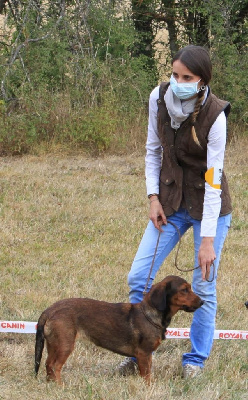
127, 329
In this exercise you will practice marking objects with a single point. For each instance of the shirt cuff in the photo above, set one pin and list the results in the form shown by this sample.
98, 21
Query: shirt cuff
151, 187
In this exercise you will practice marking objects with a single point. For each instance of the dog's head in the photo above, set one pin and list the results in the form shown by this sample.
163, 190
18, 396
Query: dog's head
246, 304
174, 293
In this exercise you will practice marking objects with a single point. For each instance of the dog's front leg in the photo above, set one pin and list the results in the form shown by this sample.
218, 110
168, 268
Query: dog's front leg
145, 365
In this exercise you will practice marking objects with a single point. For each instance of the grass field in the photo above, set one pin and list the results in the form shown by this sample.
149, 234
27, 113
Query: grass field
70, 226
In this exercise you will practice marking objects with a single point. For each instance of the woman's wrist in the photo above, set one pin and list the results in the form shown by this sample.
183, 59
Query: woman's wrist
208, 239
150, 196
153, 197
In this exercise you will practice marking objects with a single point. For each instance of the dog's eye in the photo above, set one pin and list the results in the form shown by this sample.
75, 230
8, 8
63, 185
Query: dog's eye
186, 290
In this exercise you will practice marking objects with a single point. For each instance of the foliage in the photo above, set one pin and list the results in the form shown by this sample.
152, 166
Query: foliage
83, 56
230, 57
98, 58
229, 82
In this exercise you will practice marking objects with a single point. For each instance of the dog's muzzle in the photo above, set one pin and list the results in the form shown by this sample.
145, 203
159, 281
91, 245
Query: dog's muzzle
193, 308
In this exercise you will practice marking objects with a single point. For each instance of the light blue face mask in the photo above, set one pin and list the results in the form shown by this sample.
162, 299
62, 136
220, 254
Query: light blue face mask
185, 90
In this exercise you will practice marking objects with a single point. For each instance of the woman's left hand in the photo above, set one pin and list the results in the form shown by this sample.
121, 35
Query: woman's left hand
206, 256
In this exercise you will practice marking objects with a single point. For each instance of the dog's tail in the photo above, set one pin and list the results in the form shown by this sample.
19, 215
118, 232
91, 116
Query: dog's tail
39, 345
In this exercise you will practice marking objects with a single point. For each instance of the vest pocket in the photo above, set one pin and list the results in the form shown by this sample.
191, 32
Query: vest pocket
194, 197
167, 181
199, 184
167, 190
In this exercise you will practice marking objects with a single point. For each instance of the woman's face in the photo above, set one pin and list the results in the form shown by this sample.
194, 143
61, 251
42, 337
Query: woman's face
183, 75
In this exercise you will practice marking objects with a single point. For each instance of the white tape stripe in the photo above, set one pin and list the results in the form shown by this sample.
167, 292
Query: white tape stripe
172, 333
18, 326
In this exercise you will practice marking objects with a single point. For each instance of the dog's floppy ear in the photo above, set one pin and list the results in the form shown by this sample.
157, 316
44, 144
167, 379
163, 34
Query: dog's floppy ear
158, 296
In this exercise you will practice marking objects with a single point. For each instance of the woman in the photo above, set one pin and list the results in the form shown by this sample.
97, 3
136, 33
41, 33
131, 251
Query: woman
186, 185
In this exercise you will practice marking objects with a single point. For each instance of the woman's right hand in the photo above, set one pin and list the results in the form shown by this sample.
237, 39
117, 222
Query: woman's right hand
156, 213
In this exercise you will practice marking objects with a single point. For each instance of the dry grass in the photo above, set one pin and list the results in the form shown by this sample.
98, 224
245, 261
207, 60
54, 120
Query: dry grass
70, 226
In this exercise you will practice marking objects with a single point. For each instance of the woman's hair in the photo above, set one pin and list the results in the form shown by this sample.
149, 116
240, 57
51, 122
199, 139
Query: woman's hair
197, 60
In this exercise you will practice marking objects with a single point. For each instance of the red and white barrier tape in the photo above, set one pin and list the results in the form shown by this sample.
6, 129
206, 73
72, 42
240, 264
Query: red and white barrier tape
172, 333
183, 333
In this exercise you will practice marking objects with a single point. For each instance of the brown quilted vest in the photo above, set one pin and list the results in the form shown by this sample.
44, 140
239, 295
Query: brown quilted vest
182, 176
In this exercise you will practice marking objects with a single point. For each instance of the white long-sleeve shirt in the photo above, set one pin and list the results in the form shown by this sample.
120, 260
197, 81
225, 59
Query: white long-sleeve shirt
215, 158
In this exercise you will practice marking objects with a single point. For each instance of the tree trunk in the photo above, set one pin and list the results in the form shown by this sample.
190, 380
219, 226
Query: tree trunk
142, 17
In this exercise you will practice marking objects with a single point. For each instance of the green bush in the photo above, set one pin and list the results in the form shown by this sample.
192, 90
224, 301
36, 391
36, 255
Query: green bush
230, 82
79, 87
69, 78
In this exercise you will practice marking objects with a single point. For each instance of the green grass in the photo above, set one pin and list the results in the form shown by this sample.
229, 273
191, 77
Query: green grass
70, 226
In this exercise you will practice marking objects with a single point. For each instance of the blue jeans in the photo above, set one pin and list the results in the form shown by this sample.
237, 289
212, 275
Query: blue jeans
203, 324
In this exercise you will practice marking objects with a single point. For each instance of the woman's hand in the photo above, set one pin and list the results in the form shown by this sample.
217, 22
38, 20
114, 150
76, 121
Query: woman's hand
206, 256
156, 213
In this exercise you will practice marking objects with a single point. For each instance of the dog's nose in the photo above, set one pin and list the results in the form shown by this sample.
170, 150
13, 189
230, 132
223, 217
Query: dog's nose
201, 303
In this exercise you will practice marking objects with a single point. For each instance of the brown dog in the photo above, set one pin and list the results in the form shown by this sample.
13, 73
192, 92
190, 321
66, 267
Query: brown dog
127, 329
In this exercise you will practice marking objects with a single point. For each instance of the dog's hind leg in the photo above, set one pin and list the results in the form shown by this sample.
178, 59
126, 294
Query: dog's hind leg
55, 362
50, 363
58, 351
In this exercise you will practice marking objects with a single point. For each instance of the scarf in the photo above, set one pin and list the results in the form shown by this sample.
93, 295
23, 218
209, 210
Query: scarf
178, 110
